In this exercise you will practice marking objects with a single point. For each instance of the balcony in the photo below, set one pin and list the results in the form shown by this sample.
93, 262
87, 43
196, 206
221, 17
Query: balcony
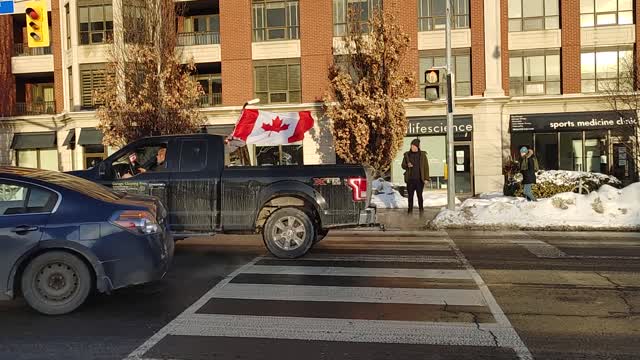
21, 50
198, 38
209, 100
35, 108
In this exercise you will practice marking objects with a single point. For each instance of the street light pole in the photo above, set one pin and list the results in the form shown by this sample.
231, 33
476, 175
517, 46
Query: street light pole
451, 183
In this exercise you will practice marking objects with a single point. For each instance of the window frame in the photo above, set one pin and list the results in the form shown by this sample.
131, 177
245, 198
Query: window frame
106, 32
596, 79
280, 152
38, 156
265, 96
523, 54
456, 53
209, 94
291, 19
522, 18
426, 21
595, 14
28, 187
341, 17
96, 71
184, 143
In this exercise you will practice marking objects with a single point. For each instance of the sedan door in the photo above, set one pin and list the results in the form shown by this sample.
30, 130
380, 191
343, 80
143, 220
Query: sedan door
24, 213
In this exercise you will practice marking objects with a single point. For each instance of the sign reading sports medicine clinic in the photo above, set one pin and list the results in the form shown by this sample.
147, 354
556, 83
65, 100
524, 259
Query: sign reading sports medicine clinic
437, 125
572, 121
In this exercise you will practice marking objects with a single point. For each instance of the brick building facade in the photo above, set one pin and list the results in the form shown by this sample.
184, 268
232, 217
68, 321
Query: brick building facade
521, 67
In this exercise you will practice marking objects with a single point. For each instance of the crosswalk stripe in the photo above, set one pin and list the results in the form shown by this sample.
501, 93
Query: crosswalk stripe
366, 240
385, 258
351, 294
370, 272
378, 331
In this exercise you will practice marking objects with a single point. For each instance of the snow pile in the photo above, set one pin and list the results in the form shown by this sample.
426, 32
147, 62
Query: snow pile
385, 196
607, 208
563, 177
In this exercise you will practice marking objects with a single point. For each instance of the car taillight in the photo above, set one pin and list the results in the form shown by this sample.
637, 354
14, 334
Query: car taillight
137, 221
359, 188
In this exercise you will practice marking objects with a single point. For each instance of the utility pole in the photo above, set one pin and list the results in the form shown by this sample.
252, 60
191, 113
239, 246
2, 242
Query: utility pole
451, 182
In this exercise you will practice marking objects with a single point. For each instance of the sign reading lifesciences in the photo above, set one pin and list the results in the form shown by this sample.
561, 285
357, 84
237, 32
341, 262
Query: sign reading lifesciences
437, 125
572, 121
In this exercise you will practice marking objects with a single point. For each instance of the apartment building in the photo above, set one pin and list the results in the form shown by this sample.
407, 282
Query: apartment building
528, 72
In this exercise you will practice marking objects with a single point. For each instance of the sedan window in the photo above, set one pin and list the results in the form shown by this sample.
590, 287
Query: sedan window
21, 199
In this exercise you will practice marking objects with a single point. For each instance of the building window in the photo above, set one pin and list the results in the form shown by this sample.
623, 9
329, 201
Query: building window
277, 81
133, 21
92, 79
200, 30
70, 88
275, 20
67, 18
530, 15
605, 12
46, 159
534, 72
342, 9
96, 23
431, 14
606, 69
212, 87
460, 65
279, 155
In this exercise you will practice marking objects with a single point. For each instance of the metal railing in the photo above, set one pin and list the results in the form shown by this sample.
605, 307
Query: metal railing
209, 100
198, 38
35, 108
22, 50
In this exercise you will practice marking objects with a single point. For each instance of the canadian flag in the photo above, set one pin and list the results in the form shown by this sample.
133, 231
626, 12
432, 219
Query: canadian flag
267, 128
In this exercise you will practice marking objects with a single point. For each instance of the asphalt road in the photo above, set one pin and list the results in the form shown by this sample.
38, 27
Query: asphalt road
411, 295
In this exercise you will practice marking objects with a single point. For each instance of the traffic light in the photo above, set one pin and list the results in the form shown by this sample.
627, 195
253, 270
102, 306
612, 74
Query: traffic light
432, 81
37, 24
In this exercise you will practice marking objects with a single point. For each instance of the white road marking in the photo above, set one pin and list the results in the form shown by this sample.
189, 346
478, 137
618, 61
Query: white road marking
351, 271
351, 294
380, 258
545, 250
374, 246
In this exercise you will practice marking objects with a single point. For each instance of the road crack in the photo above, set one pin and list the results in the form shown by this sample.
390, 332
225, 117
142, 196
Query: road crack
476, 321
621, 293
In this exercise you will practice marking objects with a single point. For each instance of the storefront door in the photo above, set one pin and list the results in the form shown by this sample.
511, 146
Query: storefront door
463, 168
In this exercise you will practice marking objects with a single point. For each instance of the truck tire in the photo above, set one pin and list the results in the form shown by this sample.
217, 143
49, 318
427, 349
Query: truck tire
56, 283
289, 233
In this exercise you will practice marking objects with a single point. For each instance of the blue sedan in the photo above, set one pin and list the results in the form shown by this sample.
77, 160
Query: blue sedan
62, 237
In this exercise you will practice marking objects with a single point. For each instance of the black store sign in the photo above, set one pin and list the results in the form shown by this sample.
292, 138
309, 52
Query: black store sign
572, 121
437, 125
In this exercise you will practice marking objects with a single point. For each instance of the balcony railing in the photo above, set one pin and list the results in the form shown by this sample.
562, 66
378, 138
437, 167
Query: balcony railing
209, 100
21, 50
198, 38
36, 108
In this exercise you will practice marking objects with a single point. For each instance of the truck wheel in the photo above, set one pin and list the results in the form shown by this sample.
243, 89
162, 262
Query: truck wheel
56, 283
288, 233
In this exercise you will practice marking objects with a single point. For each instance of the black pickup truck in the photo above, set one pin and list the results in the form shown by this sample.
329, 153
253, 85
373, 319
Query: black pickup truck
207, 189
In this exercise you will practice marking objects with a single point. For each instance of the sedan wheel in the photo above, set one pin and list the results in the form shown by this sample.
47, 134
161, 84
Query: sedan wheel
56, 283
289, 233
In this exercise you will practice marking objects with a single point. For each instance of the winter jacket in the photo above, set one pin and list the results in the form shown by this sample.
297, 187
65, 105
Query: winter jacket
528, 168
423, 167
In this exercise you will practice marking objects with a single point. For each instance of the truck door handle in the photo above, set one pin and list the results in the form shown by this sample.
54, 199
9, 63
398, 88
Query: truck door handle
24, 229
157, 185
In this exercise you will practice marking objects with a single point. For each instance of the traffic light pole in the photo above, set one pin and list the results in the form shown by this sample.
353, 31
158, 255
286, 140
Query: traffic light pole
451, 182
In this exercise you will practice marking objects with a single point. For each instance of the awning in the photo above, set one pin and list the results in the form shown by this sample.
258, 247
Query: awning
40, 140
70, 140
224, 130
90, 136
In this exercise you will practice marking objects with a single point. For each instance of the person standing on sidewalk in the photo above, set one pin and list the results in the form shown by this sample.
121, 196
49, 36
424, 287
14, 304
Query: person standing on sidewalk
416, 166
528, 168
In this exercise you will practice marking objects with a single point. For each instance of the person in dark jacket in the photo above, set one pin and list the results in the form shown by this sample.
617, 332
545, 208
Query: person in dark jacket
416, 164
528, 168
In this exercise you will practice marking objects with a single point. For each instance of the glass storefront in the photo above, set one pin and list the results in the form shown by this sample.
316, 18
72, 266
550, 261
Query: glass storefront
577, 141
431, 131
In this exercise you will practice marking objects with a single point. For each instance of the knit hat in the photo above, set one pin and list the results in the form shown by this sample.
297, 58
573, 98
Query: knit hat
524, 150
416, 142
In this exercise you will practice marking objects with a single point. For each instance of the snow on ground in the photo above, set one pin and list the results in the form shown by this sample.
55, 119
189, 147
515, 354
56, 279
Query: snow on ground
607, 208
564, 177
389, 198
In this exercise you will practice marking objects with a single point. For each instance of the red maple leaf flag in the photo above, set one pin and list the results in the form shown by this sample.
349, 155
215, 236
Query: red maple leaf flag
275, 126
266, 128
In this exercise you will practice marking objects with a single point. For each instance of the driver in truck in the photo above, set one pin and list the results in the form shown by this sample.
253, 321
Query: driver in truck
155, 164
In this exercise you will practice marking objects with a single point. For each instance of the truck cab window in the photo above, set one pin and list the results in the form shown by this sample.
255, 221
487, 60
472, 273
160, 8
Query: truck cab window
193, 155
150, 157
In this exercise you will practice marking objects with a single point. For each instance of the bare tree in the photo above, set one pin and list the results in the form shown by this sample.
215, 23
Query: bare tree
623, 97
149, 91
368, 87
